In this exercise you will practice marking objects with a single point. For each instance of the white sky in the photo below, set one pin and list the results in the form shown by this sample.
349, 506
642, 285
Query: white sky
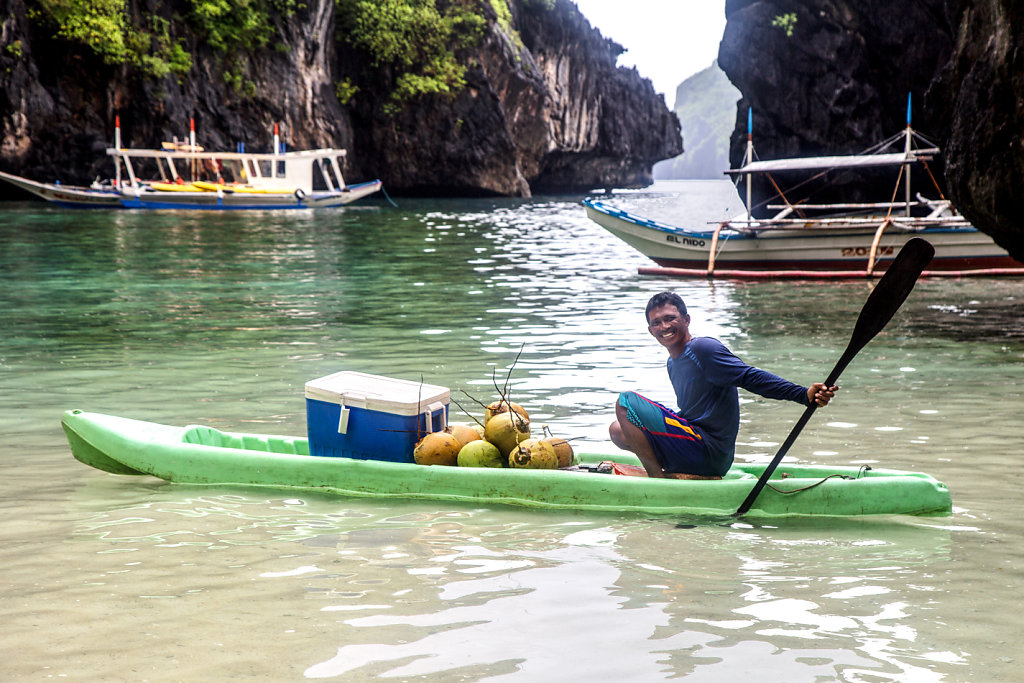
667, 40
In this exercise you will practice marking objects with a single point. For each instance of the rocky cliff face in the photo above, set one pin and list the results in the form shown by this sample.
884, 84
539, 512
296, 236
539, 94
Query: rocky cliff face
544, 107
832, 76
981, 95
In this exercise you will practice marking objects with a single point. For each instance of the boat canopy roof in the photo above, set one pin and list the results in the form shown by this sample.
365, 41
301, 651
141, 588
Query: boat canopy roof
847, 161
258, 156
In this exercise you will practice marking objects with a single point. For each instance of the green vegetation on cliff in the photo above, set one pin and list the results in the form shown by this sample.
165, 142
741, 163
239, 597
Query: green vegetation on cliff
118, 35
231, 25
414, 39
105, 28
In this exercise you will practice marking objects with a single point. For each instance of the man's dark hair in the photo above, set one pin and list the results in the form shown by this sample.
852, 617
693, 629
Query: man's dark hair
663, 298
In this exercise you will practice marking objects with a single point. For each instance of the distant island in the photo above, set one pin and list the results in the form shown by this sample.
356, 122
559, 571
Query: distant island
706, 108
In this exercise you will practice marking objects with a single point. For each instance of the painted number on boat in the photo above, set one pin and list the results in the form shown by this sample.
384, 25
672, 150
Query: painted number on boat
864, 251
684, 240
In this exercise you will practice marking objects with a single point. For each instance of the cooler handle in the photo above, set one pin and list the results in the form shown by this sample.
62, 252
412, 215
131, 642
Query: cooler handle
428, 415
343, 413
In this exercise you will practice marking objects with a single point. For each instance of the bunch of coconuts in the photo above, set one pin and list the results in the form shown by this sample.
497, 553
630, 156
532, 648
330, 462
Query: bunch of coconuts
502, 441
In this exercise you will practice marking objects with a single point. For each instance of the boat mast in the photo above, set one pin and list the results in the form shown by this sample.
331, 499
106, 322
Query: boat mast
749, 155
906, 151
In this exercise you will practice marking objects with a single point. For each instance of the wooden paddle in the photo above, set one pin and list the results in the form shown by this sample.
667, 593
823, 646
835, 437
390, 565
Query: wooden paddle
883, 302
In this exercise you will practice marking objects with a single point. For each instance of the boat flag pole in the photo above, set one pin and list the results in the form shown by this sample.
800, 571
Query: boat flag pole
749, 156
192, 146
277, 150
117, 146
885, 299
906, 152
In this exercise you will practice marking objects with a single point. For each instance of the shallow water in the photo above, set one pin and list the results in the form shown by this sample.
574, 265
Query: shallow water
221, 319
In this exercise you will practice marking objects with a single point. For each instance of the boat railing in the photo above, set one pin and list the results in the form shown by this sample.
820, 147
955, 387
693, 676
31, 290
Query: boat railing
913, 223
845, 207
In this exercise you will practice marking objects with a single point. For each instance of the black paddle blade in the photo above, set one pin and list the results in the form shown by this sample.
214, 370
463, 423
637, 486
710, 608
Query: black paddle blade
889, 294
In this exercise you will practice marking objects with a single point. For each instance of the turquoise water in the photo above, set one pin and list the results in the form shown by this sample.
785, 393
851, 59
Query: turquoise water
222, 318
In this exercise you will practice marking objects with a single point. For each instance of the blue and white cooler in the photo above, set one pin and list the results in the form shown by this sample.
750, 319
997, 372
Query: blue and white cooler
357, 415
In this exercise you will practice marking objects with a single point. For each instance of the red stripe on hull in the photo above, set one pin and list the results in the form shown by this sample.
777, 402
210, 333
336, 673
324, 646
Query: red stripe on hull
953, 263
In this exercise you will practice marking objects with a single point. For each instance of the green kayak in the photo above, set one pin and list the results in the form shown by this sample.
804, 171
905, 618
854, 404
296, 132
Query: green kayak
203, 455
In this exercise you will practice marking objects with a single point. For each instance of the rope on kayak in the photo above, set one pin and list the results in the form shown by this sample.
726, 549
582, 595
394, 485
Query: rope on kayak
860, 473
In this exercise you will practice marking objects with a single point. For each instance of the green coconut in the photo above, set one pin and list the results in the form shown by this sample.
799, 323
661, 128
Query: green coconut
499, 407
480, 453
437, 448
506, 431
536, 454
464, 433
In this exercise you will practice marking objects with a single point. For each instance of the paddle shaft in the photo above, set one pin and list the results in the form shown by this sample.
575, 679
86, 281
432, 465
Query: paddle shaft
889, 294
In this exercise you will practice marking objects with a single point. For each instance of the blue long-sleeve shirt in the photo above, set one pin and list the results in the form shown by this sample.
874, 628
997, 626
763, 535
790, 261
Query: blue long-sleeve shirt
705, 377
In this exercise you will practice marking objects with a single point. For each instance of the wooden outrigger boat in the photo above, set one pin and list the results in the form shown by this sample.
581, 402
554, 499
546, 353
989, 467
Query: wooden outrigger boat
815, 240
198, 454
186, 176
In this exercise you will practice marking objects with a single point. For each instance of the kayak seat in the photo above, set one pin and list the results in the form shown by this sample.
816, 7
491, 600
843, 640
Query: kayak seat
208, 436
277, 444
254, 443
203, 436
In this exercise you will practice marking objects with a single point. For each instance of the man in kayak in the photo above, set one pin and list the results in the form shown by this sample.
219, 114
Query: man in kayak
698, 441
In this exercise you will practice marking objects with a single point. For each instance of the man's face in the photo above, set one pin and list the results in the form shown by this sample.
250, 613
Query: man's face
671, 329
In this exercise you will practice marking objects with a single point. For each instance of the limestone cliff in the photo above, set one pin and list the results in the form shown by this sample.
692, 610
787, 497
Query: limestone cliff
544, 107
981, 94
832, 76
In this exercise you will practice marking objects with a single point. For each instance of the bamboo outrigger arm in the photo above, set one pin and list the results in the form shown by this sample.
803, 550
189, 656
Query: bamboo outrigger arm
714, 247
874, 245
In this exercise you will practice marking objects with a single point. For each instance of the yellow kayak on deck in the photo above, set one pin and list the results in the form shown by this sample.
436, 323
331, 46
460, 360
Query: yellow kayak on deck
180, 147
175, 187
245, 189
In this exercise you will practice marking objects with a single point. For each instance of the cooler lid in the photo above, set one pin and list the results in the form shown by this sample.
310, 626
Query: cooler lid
374, 392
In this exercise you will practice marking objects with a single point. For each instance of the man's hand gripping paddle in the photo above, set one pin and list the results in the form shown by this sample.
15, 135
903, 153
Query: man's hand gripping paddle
889, 294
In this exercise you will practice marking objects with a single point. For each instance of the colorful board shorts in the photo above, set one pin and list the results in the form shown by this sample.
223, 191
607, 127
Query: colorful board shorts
678, 446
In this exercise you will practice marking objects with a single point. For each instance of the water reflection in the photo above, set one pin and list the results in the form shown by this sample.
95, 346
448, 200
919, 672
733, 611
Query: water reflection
520, 618
515, 599
405, 589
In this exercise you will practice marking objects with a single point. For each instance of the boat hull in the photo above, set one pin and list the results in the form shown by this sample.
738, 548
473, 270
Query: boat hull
67, 196
163, 196
836, 249
202, 455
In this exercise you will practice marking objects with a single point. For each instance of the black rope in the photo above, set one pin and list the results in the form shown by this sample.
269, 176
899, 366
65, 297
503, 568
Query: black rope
860, 473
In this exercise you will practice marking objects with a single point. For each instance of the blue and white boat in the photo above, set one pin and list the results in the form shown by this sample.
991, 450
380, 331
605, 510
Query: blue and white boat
815, 240
186, 176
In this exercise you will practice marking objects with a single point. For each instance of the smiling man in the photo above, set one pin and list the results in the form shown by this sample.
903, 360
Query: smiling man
698, 441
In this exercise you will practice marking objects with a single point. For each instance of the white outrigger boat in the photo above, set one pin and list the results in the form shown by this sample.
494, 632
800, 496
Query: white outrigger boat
815, 240
189, 177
